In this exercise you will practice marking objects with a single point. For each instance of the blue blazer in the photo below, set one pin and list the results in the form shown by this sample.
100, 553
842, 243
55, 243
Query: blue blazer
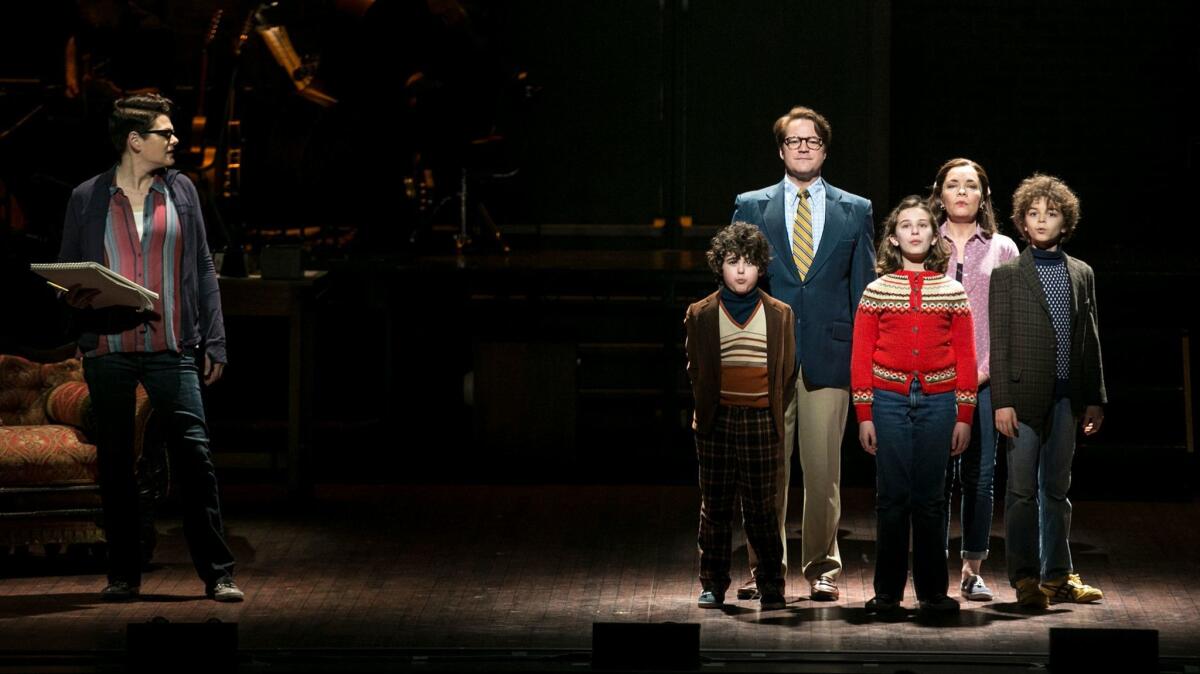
825, 302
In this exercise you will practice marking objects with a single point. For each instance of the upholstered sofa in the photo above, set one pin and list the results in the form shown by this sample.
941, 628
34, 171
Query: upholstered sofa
48, 475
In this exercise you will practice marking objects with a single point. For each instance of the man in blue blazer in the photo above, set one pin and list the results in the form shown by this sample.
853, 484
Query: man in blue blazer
822, 257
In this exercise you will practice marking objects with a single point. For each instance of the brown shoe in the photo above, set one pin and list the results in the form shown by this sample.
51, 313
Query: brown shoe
1029, 595
824, 589
748, 590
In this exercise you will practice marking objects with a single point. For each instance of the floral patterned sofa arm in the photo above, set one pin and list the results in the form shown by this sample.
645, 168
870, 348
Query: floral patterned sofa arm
69, 403
48, 472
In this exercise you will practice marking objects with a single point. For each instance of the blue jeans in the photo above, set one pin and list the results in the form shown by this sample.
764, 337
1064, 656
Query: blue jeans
1038, 513
976, 473
173, 384
913, 433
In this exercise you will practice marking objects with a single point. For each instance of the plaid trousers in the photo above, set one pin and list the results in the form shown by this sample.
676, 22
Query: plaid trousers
739, 459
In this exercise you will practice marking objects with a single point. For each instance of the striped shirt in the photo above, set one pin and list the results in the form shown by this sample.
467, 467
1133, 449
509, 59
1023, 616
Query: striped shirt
744, 378
152, 260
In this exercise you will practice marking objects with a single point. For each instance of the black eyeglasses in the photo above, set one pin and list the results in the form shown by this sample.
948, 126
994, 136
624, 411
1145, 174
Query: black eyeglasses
813, 142
165, 133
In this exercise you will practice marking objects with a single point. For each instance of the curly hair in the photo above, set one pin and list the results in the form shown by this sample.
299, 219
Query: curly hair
742, 240
135, 114
888, 258
1057, 195
986, 218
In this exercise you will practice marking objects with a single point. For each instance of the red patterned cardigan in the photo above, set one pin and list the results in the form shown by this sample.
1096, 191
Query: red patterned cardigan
914, 324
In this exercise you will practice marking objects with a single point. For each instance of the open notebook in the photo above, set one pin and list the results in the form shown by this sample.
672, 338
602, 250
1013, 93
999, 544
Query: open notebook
115, 290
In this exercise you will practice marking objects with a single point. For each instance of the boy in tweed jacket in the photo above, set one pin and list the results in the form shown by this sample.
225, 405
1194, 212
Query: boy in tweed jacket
1046, 376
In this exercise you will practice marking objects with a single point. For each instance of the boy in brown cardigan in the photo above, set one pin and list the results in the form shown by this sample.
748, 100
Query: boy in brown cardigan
742, 364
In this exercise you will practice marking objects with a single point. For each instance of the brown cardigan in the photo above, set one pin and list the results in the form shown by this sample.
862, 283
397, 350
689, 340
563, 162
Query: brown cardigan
704, 358
1023, 341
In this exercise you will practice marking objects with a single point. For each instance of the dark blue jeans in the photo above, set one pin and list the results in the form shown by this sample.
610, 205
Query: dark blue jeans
173, 384
976, 473
913, 433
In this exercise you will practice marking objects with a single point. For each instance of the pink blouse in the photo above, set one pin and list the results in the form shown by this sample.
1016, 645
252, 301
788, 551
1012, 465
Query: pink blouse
981, 257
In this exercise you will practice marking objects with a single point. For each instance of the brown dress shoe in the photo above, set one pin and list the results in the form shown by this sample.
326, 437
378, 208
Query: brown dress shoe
748, 590
824, 589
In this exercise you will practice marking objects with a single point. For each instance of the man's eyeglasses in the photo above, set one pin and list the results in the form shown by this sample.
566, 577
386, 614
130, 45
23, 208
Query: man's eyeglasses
165, 133
813, 142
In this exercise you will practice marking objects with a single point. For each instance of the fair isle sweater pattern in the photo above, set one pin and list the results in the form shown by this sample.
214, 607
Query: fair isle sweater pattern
893, 292
910, 326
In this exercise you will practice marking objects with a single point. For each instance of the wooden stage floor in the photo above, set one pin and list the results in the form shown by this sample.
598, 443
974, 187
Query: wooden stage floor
389, 571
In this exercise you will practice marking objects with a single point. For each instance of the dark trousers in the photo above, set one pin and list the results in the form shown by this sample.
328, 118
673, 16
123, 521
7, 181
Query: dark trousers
173, 384
975, 470
739, 459
913, 433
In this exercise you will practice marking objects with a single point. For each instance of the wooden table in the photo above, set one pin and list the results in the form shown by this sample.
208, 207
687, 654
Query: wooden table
292, 299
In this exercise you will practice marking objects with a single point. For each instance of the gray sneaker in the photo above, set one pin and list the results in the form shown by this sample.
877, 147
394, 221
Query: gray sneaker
710, 599
120, 590
974, 589
225, 590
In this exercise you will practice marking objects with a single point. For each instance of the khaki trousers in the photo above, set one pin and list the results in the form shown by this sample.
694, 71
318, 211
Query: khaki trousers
815, 420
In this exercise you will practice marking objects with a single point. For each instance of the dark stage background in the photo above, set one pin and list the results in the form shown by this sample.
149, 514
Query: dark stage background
594, 132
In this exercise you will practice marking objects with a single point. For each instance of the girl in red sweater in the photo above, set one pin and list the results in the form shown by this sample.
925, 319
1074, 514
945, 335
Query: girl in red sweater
913, 383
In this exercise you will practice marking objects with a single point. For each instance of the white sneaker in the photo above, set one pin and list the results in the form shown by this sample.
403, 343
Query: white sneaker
974, 589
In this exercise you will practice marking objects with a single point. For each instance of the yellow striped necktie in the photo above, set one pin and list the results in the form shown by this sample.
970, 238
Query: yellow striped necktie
802, 236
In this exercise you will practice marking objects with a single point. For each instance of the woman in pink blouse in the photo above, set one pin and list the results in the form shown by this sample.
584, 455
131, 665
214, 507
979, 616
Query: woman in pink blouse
962, 200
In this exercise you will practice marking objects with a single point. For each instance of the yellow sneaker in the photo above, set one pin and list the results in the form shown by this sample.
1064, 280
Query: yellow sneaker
1030, 595
1071, 589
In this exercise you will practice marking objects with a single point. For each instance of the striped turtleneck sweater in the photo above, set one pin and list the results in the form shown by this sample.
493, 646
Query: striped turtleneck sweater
914, 325
743, 326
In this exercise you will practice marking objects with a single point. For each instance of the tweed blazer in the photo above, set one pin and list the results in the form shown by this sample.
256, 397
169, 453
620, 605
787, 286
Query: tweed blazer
703, 347
1023, 342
